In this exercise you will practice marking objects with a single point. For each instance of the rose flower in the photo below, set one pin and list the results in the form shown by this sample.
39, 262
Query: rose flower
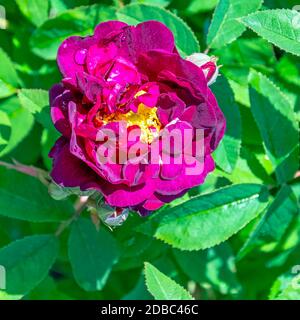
127, 79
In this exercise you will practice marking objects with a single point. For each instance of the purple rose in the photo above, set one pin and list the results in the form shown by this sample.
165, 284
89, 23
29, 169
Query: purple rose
125, 79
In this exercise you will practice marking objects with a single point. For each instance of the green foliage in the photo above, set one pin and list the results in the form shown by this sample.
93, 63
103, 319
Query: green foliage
24, 197
92, 254
237, 236
185, 39
280, 27
272, 110
286, 287
212, 268
225, 27
47, 38
15, 123
8, 72
227, 154
36, 101
162, 287
275, 222
27, 262
205, 221
35, 10
196, 6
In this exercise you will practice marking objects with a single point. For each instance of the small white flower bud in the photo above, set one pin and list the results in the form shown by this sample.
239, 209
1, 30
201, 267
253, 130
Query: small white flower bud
207, 64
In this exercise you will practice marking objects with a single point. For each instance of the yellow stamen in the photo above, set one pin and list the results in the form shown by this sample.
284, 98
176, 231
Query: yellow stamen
140, 93
146, 118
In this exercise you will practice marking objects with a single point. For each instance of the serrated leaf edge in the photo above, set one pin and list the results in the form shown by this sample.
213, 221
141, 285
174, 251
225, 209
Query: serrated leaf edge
177, 284
252, 14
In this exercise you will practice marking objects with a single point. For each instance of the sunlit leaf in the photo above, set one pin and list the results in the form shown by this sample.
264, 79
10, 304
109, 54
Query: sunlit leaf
225, 27
162, 287
27, 262
205, 221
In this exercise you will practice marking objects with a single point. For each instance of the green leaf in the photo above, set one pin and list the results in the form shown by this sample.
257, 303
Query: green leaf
185, 39
31, 142
92, 254
205, 221
273, 4
287, 286
47, 290
277, 123
288, 69
243, 54
80, 21
225, 27
280, 27
6, 296
6, 90
214, 267
8, 72
197, 6
275, 222
227, 153
139, 292
248, 169
27, 262
35, 10
36, 101
15, 124
159, 3
162, 287
26, 198
58, 6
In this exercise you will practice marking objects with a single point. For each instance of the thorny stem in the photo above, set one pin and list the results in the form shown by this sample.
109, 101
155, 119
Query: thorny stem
80, 205
32, 171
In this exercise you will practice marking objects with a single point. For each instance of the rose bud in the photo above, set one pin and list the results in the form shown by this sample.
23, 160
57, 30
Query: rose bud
207, 64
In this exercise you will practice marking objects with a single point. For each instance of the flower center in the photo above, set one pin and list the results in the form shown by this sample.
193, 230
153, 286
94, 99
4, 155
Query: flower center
146, 118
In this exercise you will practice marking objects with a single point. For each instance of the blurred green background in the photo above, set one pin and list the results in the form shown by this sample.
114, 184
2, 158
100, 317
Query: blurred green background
259, 95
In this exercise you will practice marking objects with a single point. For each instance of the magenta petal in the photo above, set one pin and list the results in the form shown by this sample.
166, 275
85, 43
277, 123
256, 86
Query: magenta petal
68, 171
153, 203
133, 173
168, 198
170, 107
59, 111
183, 182
171, 171
220, 123
130, 196
150, 95
153, 35
157, 62
103, 29
100, 58
123, 72
71, 55
56, 90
